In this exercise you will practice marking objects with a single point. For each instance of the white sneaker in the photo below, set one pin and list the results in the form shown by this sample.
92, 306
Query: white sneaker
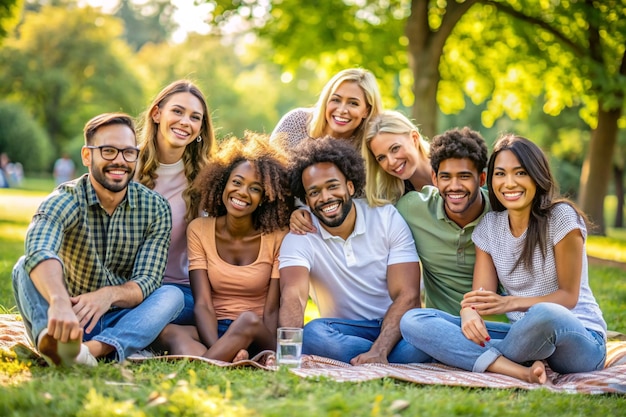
141, 354
85, 357
58, 353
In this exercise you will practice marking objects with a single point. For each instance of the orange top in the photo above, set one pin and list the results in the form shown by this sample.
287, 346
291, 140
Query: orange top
234, 289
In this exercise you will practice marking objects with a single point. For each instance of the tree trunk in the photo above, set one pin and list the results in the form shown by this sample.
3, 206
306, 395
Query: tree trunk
425, 51
596, 172
618, 177
426, 77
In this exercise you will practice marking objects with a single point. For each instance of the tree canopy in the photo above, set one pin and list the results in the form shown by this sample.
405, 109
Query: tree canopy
9, 16
504, 59
146, 22
66, 66
433, 53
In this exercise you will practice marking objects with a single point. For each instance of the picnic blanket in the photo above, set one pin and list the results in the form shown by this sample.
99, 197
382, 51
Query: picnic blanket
612, 379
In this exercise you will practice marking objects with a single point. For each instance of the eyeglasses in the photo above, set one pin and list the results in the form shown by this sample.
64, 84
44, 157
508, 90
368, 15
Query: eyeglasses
109, 153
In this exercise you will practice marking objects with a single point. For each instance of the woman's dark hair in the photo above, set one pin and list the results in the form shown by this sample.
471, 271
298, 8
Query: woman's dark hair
337, 152
270, 164
535, 163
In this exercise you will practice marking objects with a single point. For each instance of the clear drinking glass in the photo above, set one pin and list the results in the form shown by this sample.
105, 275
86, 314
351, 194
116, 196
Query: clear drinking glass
289, 347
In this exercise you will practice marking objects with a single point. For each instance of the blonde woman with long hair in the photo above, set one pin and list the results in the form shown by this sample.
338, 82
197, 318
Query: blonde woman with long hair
344, 108
396, 158
176, 140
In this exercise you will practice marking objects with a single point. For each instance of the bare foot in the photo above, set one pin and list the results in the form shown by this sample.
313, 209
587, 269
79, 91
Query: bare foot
537, 373
270, 360
242, 355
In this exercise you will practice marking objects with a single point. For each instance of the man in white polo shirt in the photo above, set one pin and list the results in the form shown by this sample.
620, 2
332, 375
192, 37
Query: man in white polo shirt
360, 266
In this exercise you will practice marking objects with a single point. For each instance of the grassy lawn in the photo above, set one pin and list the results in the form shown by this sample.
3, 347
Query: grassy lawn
158, 388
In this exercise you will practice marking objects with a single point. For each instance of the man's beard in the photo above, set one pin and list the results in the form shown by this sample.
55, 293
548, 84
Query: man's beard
346, 206
113, 186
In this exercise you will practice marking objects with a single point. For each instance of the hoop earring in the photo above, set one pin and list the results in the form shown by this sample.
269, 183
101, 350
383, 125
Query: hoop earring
199, 139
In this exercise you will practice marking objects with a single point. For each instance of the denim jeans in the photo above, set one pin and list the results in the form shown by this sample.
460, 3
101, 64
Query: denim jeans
343, 339
547, 331
222, 326
127, 330
186, 316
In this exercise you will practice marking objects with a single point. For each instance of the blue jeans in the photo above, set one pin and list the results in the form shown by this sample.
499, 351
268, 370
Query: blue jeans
343, 339
222, 326
186, 316
127, 330
547, 331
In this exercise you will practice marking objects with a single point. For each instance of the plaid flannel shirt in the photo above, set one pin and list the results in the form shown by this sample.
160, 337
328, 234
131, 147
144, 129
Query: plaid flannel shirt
96, 249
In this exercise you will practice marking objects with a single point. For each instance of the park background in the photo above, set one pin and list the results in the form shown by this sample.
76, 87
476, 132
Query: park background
551, 70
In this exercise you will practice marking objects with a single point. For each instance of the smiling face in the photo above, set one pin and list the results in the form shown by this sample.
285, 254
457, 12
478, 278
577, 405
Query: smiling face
112, 176
396, 154
345, 110
328, 193
459, 184
512, 185
179, 119
243, 192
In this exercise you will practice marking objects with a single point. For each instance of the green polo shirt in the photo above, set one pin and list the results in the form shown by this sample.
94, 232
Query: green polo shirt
446, 251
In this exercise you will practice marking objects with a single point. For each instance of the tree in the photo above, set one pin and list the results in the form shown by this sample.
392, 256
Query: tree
146, 22
576, 49
506, 52
235, 83
68, 64
618, 171
9, 16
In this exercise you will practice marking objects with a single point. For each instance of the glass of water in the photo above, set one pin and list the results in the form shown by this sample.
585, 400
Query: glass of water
289, 347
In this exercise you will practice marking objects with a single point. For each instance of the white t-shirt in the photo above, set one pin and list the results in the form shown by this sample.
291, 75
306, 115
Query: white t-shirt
348, 279
493, 236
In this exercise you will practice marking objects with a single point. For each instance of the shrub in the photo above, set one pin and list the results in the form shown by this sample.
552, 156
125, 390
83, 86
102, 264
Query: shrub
23, 139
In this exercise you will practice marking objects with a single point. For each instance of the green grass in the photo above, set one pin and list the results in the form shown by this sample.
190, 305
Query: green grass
610, 208
195, 389
44, 183
611, 247
158, 388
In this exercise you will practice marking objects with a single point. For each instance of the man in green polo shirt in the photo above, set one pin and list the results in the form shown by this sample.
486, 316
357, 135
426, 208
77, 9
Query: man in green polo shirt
442, 217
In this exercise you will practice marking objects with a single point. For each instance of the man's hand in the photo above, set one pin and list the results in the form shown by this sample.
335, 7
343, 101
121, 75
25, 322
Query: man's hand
91, 306
63, 324
369, 357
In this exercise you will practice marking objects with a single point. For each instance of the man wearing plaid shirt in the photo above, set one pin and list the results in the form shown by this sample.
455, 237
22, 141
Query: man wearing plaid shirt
89, 285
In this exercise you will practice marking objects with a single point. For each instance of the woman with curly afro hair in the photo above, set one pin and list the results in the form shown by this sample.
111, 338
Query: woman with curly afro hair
233, 252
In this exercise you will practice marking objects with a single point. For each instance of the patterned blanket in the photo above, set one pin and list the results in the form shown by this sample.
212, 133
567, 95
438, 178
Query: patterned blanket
612, 379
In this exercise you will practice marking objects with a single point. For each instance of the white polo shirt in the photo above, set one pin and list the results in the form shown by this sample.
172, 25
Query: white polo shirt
348, 278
